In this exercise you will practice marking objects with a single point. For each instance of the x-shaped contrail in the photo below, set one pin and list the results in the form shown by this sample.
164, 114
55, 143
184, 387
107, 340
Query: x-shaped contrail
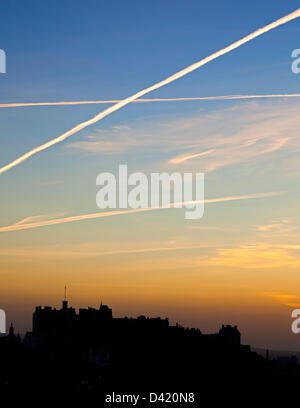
145, 91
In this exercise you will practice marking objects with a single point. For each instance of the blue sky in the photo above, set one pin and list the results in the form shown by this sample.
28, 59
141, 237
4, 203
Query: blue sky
74, 50
100, 50
67, 49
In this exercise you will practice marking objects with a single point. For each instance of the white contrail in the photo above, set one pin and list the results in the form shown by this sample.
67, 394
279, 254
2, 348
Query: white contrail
22, 226
184, 99
139, 94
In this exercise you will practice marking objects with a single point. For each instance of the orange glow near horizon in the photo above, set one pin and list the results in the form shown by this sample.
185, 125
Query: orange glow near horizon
192, 290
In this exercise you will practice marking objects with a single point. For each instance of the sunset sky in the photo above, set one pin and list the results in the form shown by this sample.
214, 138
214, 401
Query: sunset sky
240, 263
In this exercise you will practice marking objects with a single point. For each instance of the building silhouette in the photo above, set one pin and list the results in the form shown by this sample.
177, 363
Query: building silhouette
93, 330
89, 352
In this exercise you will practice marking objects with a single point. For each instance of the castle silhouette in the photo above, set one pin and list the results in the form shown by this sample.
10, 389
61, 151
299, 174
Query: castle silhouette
95, 330
90, 353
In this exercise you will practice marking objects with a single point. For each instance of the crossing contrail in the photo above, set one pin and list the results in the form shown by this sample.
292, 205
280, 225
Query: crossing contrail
21, 225
174, 77
184, 99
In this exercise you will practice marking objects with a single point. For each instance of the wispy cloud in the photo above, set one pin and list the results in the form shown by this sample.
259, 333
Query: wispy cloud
256, 256
247, 132
280, 226
206, 141
39, 218
181, 159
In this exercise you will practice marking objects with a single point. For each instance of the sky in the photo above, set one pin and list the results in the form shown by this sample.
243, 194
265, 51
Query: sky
240, 263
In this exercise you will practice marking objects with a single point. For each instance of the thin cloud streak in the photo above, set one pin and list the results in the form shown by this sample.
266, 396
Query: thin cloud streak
181, 159
54, 253
184, 99
172, 78
22, 226
38, 218
247, 133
